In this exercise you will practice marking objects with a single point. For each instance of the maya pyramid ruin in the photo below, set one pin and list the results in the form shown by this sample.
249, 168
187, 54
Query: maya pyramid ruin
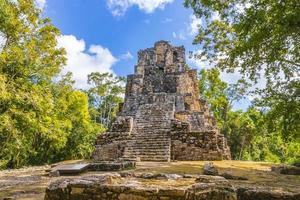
162, 117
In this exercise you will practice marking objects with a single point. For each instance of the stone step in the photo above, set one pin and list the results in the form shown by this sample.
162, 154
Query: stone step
148, 146
151, 136
152, 155
136, 139
149, 159
151, 142
162, 148
149, 131
143, 137
160, 142
152, 122
152, 128
146, 131
148, 154
146, 121
151, 119
156, 139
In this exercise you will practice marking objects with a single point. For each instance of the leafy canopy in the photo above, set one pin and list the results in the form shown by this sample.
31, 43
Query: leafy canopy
260, 39
40, 121
256, 37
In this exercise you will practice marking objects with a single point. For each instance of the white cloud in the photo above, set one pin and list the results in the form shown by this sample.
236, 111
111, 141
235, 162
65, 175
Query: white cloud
230, 78
82, 61
174, 35
167, 20
191, 28
126, 56
40, 3
119, 7
180, 35
195, 61
194, 25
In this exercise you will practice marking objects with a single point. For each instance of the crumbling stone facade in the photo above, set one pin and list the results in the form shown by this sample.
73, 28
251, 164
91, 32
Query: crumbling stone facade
162, 117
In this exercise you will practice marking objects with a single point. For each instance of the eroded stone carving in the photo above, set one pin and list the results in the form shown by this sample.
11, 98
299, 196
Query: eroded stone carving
162, 117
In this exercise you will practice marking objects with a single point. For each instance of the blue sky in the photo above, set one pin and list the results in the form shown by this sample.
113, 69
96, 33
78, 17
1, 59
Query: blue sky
93, 22
105, 35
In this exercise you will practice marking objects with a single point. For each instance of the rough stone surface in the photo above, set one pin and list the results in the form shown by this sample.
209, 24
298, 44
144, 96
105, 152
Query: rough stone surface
112, 166
162, 117
210, 169
68, 169
113, 188
158, 187
259, 194
31, 182
286, 169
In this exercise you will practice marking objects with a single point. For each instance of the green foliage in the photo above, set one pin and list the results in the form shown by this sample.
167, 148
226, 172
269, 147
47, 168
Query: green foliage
254, 134
259, 38
105, 96
213, 89
73, 110
40, 121
249, 34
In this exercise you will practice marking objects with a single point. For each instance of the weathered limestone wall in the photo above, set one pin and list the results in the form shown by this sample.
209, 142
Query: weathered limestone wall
162, 90
204, 145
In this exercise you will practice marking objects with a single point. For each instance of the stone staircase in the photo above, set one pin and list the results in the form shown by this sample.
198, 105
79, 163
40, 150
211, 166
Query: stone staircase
150, 136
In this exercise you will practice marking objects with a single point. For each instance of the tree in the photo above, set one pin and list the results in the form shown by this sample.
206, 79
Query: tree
105, 96
251, 35
213, 89
40, 121
73, 110
29, 60
220, 95
260, 39
253, 134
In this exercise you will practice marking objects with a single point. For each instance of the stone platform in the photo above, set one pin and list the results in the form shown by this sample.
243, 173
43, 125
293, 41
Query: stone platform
114, 187
259, 181
69, 169
163, 117
77, 168
145, 186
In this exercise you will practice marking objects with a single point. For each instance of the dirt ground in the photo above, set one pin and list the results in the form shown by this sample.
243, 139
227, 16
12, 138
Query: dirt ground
30, 183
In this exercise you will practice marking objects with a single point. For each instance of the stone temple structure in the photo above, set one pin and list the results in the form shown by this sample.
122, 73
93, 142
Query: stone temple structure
162, 117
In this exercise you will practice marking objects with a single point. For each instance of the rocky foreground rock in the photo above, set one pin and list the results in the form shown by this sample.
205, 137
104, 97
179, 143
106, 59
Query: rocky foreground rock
132, 186
250, 180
